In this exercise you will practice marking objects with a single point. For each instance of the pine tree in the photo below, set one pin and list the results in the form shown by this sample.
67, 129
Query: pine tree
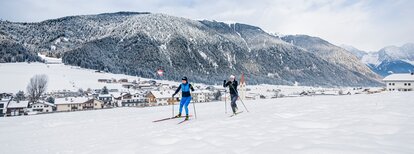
50, 100
105, 90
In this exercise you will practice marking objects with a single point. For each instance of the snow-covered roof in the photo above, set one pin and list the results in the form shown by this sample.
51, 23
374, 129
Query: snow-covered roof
5, 102
71, 100
46, 103
144, 85
202, 91
399, 77
162, 94
20, 104
117, 94
105, 95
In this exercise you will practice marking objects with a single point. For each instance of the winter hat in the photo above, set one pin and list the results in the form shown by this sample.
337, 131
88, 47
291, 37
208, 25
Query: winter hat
184, 78
232, 77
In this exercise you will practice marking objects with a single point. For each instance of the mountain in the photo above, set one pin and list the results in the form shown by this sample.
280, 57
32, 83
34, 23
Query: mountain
205, 51
358, 53
12, 51
331, 53
386, 68
391, 59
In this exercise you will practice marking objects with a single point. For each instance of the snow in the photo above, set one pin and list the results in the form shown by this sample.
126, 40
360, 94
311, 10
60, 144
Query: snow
105, 95
71, 100
60, 77
409, 61
163, 94
400, 77
377, 123
404, 53
394, 52
50, 60
203, 54
371, 58
20, 104
64, 77
43, 102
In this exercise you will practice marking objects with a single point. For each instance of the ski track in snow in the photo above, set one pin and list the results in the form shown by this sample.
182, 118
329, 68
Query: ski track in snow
377, 123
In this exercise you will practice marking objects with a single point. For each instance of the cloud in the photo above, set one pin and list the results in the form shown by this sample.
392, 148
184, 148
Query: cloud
368, 24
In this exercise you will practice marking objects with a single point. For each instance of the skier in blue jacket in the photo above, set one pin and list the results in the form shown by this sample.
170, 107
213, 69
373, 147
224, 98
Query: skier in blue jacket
185, 88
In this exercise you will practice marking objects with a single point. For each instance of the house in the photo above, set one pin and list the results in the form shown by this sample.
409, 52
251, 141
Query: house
128, 85
164, 87
145, 86
128, 99
42, 107
104, 80
201, 96
6, 95
400, 82
107, 99
69, 103
161, 98
77, 103
107, 80
252, 96
93, 104
64, 93
152, 82
16, 108
3, 106
123, 80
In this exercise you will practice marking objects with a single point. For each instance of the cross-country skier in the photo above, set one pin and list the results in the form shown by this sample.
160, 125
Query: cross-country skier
234, 94
185, 88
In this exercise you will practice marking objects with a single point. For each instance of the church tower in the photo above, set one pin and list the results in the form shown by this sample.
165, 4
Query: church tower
242, 87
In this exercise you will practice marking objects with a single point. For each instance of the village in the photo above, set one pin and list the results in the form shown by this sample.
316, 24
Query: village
132, 94
150, 93
139, 94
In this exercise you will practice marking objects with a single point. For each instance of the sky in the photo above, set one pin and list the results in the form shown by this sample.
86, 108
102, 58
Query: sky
366, 24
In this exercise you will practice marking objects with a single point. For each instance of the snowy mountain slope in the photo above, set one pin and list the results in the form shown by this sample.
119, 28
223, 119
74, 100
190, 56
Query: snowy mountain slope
358, 53
386, 67
378, 123
391, 59
331, 53
405, 52
206, 51
12, 51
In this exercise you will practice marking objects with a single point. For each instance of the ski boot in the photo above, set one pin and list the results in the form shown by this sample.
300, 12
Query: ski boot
177, 116
186, 117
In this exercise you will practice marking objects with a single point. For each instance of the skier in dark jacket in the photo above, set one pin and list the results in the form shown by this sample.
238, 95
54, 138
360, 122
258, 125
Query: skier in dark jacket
234, 94
185, 88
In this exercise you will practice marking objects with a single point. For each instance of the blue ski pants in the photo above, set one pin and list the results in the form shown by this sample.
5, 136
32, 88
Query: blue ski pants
185, 101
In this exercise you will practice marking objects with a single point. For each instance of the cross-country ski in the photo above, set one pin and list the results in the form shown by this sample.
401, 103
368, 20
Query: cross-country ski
170, 118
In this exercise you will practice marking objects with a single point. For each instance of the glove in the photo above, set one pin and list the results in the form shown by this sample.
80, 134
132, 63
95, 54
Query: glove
224, 81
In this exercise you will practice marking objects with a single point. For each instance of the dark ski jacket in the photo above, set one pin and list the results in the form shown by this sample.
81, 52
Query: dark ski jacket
185, 89
232, 87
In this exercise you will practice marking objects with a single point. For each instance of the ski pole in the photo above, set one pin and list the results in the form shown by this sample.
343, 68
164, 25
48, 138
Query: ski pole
231, 86
172, 104
225, 102
195, 113
243, 104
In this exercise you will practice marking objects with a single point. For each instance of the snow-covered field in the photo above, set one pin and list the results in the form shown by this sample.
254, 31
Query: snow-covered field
16, 76
377, 123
